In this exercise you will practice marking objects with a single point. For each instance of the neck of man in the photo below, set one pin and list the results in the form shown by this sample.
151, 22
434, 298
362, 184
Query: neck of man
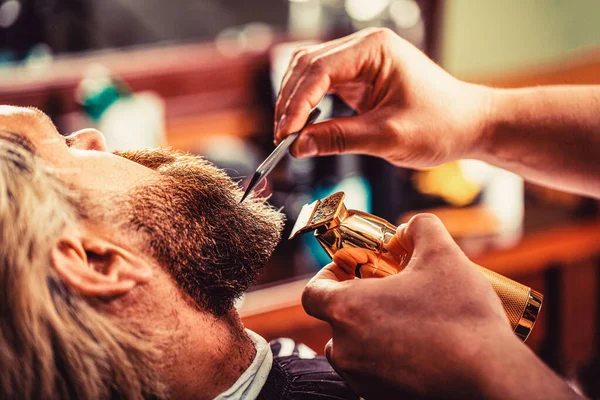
202, 355
208, 356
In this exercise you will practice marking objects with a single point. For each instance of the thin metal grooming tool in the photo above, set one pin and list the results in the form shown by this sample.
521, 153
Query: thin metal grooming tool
277, 155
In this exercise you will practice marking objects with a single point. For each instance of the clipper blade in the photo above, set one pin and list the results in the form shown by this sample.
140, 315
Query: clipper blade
320, 213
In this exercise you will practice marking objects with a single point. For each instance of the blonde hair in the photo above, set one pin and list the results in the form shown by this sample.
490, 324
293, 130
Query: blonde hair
53, 343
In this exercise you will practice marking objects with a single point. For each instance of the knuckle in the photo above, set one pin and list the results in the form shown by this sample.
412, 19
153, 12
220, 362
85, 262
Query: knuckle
293, 109
422, 221
390, 126
297, 108
371, 30
298, 54
337, 139
303, 59
383, 35
300, 50
391, 131
435, 239
329, 305
317, 65
308, 296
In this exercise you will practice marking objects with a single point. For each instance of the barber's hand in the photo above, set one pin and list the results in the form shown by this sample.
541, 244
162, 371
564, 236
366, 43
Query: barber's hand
430, 331
411, 112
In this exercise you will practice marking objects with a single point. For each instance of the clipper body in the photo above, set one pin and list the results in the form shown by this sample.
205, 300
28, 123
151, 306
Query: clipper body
336, 227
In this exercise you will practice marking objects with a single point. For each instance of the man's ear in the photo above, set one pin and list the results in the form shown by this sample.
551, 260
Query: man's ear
93, 266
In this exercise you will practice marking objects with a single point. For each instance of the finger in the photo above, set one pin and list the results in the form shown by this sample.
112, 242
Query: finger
344, 135
329, 349
423, 234
295, 68
394, 246
323, 290
344, 63
300, 62
349, 258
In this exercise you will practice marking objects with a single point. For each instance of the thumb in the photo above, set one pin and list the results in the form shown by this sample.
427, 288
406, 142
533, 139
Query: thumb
322, 292
424, 234
355, 134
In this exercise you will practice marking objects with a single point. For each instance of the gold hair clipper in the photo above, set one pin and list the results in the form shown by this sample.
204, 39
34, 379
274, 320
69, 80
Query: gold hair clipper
336, 227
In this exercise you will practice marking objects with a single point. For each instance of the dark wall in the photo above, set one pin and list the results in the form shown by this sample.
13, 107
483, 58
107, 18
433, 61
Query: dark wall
77, 25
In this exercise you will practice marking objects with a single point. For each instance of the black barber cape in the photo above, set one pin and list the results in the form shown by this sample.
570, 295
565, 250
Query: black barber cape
294, 377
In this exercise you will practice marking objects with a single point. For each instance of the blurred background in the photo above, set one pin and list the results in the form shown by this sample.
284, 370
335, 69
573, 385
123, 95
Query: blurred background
202, 76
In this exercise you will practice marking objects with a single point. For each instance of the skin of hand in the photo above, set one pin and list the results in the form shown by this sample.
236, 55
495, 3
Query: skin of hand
435, 330
412, 113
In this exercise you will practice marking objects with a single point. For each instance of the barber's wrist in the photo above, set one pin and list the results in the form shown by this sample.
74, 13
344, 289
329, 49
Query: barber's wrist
509, 110
487, 121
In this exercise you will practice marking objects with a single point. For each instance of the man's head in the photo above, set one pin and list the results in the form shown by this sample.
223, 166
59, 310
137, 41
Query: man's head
87, 238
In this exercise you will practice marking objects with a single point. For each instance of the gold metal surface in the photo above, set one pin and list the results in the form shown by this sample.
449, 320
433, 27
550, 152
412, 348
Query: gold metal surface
320, 214
532, 309
336, 227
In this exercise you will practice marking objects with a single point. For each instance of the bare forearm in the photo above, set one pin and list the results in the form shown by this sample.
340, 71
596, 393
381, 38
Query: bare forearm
548, 135
514, 372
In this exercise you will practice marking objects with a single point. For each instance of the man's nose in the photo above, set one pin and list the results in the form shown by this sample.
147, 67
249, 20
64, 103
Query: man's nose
88, 139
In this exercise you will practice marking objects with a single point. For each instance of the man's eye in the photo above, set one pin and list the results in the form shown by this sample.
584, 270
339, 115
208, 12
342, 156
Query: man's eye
69, 140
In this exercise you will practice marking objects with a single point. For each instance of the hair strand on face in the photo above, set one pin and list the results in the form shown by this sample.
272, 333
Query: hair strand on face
54, 344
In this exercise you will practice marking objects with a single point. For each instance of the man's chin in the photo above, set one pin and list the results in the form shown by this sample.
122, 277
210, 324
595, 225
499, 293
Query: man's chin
213, 245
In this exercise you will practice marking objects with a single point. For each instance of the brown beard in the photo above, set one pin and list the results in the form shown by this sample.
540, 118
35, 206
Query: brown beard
213, 246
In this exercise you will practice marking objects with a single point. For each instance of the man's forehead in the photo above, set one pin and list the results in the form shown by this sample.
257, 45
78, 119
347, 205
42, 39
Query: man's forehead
24, 120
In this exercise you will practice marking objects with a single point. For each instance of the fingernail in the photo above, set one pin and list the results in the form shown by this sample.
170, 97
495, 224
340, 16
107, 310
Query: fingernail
310, 147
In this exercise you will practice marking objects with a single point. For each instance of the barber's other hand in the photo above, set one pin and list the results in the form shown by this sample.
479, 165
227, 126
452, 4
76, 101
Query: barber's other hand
411, 112
433, 330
